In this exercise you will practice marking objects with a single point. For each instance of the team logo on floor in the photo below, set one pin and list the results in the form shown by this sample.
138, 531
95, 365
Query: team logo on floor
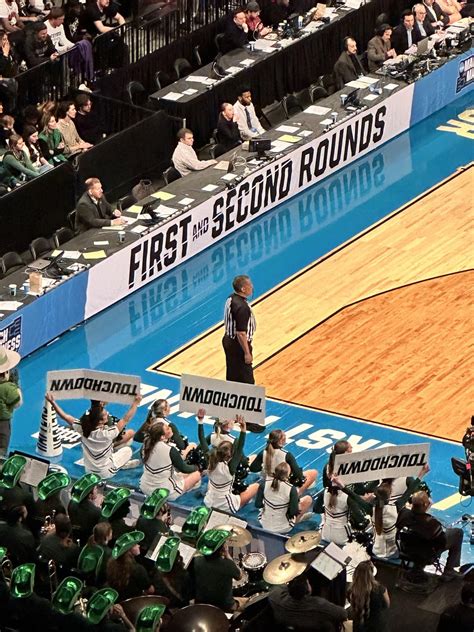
10, 336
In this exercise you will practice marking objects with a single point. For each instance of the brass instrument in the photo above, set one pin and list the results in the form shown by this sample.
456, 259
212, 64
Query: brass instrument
6, 569
80, 607
48, 524
53, 577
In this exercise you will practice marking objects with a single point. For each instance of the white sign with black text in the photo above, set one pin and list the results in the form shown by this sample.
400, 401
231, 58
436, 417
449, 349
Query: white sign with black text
89, 384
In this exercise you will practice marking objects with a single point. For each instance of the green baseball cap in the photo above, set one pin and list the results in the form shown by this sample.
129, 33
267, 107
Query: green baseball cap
66, 595
83, 486
12, 470
211, 540
22, 580
125, 543
195, 522
153, 503
149, 618
90, 558
167, 554
100, 603
52, 483
113, 500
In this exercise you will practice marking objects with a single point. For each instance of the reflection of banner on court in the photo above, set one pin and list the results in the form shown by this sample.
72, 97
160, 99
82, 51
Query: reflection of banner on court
389, 462
88, 384
222, 398
190, 233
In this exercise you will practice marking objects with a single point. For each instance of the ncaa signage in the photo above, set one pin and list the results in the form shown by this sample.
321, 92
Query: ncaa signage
10, 336
465, 73
199, 228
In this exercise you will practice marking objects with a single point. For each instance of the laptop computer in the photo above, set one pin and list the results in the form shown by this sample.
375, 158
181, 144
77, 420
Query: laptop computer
423, 46
46, 262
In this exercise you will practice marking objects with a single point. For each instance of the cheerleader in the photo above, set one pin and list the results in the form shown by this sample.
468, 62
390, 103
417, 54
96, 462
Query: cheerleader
159, 411
222, 465
273, 455
163, 465
278, 501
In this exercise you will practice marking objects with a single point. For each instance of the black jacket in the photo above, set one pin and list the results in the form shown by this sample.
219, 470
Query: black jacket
37, 52
90, 215
345, 69
429, 30
399, 38
234, 37
227, 133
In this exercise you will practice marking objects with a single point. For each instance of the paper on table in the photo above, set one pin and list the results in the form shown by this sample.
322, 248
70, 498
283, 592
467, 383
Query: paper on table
287, 138
138, 229
279, 145
196, 78
390, 86
317, 109
96, 254
371, 97
229, 176
163, 195
222, 165
67, 254
356, 84
129, 220
134, 209
326, 122
210, 187
287, 128
166, 211
304, 133
368, 80
101, 243
10, 306
173, 96
190, 91
233, 69
247, 62
118, 227
186, 201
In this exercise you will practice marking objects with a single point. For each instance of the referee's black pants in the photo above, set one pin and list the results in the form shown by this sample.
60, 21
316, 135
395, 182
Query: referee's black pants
236, 369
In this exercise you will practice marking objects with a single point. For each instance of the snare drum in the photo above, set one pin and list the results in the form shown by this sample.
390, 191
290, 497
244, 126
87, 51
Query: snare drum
239, 586
254, 563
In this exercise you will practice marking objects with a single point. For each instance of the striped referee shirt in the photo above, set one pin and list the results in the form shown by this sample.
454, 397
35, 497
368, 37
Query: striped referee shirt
238, 316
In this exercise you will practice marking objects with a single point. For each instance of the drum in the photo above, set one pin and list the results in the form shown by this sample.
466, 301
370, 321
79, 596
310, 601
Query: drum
239, 586
254, 563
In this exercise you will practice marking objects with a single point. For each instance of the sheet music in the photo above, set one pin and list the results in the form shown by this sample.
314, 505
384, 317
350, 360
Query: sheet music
331, 561
187, 552
218, 518
34, 472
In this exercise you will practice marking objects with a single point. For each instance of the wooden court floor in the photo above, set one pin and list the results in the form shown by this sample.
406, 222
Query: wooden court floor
381, 328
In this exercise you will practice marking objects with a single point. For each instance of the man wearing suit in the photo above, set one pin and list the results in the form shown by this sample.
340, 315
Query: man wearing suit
236, 34
435, 15
93, 210
347, 67
423, 26
379, 48
404, 35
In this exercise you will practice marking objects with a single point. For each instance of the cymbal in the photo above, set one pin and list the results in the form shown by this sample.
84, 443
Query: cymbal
302, 542
239, 535
283, 569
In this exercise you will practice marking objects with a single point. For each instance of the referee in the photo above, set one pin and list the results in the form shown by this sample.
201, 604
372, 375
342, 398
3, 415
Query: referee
240, 326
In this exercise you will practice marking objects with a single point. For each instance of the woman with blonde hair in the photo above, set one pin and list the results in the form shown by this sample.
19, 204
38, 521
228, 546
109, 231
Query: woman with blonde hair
222, 466
278, 501
369, 601
274, 454
339, 502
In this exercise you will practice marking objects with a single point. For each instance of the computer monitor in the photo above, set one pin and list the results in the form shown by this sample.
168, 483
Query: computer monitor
149, 209
260, 146
352, 99
423, 46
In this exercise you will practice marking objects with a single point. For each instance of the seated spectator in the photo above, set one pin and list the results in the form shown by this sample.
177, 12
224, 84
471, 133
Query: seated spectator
429, 528
11, 18
276, 12
8, 70
228, 134
244, 112
435, 14
184, 157
379, 48
73, 17
236, 32
38, 46
33, 148
87, 122
100, 17
93, 211
73, 143
58, 545
124, 573
404, 36
55, 28
7, 123
30, 116
294, 605
17, 162
15, 536
460, 617
254, 23
51, 142
347, 67
369, 601
453, 9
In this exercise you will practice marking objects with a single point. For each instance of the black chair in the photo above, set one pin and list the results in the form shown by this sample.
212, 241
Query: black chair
364, 61
217, 150
170, 175
161, 79
274, 114
415, 553
136, 93
382, 18
328, 83
10, 262
304, 98
182, 68
62, 235
291, 105
71, 219
39, 246
125, 202
197, 56
317, 93
218, 41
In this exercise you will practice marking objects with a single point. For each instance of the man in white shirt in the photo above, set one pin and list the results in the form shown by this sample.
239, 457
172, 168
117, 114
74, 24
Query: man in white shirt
55, 28
184, 157
244, 110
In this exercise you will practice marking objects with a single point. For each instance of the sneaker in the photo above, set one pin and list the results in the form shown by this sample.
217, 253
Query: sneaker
129, 465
